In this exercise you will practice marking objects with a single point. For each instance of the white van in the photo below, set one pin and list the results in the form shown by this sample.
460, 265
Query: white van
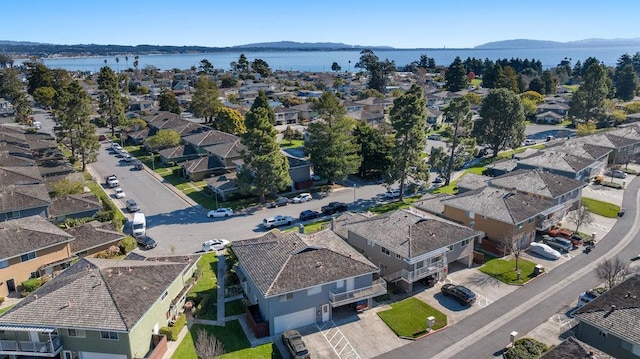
139, 224
37, 124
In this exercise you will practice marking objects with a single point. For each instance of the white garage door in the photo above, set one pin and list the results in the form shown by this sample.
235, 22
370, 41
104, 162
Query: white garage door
90, 355
294, 320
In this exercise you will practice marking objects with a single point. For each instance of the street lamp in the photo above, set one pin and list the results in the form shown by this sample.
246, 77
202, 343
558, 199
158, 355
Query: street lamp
215, 192
354, 195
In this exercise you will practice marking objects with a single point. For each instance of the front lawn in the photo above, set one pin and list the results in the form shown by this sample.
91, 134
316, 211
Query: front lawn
284, 144
206, 288
505, 270
232, 337
392, 206
234, 308
408, 318
604, 209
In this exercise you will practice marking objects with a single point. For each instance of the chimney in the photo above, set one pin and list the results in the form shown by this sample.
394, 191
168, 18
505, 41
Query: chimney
333, 223
613, 308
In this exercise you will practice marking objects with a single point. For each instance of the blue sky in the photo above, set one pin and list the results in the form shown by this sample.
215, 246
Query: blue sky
401, 24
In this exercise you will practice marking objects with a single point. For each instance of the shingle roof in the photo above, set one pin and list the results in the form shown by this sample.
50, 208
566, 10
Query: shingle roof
580, 149
283, 262
178, 151
19, 176
120, 292
225, 150
558, 161
433, 204
14, 198
621, 322
472, 181
10, 160
28, 234
90, 235
537, 182
499, 204
72, 204
202, 164
410, 234
574, 348
211, 137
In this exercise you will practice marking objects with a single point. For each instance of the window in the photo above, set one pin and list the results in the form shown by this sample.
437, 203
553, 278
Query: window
450, 247
340, 284
530, 220
4, 263
520, 225
470, 214
28, 257
398, 256
14, 214
315, 290
78, 333
464, 243
370, 243
385, 251
67, 354
286, 297
164, 295
109, 335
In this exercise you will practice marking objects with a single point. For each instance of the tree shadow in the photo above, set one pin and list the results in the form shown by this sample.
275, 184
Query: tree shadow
483, 280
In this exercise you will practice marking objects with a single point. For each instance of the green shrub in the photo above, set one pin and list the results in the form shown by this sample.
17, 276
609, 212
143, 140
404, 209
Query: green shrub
526, 348
127, 244
173, 331
167, 332
611, 185
30, 285
74, 222
118, 222
1, 300
109, 253
104, 216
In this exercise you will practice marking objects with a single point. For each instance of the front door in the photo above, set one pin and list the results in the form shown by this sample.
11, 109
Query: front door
11, 285
325, 312
350, 284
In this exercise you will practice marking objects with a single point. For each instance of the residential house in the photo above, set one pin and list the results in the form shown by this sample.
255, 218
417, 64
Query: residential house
306, 112
581, 149
93, 237
202, 167
409, 246
564, 164
8, 159
21, 176
293, 280
299, 172
501, 167
559, 108
432, 203
500, 213
98, 308
202, 140
574, 348
223, 185
435, 117
27, 246
169, 156
73, 206
285, 115
549, 117
470, 181
610, 321
24, 201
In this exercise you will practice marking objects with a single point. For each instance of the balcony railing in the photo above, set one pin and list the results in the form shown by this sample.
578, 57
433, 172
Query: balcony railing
416, 275
546, 224
20, 347
377, 287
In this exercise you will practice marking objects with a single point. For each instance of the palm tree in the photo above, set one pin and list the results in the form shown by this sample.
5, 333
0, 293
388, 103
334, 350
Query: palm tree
126, 60
117, 62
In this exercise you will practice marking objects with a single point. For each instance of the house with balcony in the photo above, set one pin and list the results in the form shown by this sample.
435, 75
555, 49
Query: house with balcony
610, 321
498, 213
285, 115
409, 246
98, 308
564, 164
293, 279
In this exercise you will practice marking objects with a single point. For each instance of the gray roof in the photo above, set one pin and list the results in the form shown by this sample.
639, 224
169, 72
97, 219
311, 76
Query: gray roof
91, 235
74, 204
226, 149
202, 164
574, 348
19, 176
433, 204
506, 165
499, 204
28, 234
8, 159
120, 292
472, 181
621, 322
410, 234
580, 149
14, 198
537, 182
178, 151
557, 161
211, 137
281, 263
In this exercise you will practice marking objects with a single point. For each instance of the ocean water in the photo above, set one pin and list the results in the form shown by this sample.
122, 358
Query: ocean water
322, 60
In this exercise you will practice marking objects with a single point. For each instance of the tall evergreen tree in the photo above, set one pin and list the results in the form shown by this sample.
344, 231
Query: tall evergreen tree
460, 117
204, 102
331, 145
588, 102
507, 78
112, 104
626, 78
75, 123
10, 84
266, 169
456, 76
408, 119
375, 149
550, 82
38, 75
230, 121
168, 101
502, 122
378, 70
263, 102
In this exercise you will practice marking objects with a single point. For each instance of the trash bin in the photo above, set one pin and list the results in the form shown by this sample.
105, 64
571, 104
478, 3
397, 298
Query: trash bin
538, 269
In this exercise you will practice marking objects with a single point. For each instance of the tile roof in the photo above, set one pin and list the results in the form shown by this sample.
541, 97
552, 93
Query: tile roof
91, 235
281, 263
28, 234
410, 234
120, 293
557, 161
19, 176
539, 182
499, 204
574, 348
621, 322
14, 198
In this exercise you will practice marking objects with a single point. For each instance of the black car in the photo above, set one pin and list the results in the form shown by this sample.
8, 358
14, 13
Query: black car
146, 242
279, 202
463, 294
309, 214
334, 207
294, 343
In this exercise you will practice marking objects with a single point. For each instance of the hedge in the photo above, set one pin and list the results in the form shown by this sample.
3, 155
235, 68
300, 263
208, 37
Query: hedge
127, 244
173, 332
30, 285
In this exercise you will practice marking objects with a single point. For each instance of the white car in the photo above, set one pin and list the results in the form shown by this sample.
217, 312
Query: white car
220, 212
302, 197
215, 245
529, 142
127, 157
392, 193
544, 250
120, 193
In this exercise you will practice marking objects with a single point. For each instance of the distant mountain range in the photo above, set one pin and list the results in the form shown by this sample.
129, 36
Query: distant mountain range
26, 48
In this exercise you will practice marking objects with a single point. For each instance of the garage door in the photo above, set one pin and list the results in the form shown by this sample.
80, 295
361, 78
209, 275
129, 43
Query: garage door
294, 320
91, 355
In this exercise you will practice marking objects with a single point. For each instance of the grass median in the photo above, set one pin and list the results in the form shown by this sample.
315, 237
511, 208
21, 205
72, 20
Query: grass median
408, 318
505, 271
601, 208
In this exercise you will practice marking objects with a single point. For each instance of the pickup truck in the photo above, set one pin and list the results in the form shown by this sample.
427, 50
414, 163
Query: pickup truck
277, 221
333, 208
112, 181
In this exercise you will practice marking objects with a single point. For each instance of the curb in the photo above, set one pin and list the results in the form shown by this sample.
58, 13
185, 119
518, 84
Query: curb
176, 191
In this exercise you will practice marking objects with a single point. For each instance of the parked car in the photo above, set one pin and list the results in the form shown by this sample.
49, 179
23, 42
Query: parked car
138, 165
112, 181
575, 239
102, 138
120, 193
302, 197
544, 250
392, 193
277, 221
434, 137
438, 180
529, 142
127, 157
279, 202
294, 343
334, 207
589, 295
461, 293
115, 146
132, 205
220, 212
617, 174
309, 214
558, 243
146, 242
215, 245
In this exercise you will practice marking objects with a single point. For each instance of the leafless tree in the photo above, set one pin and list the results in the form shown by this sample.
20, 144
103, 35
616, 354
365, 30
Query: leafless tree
580, 216
612, 271
512, 243
207, 346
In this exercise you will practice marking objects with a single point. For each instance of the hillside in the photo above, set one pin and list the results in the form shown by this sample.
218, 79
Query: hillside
542, 44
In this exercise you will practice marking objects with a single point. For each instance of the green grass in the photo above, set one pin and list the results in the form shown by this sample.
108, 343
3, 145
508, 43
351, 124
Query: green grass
234, 308
408, 318
504, 270
118, 216
311, 227
476, 170
476, 82
392, 206
3, 310
564, 123
236, 345
571, 88
507, 154
293, 144
207, 286
604, 209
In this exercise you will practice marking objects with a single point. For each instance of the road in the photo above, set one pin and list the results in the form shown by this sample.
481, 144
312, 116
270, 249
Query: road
485, 333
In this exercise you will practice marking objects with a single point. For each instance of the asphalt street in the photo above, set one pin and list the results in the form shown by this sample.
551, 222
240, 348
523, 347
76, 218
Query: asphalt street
485, 333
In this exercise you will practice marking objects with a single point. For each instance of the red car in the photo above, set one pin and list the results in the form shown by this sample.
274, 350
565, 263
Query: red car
575, 239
